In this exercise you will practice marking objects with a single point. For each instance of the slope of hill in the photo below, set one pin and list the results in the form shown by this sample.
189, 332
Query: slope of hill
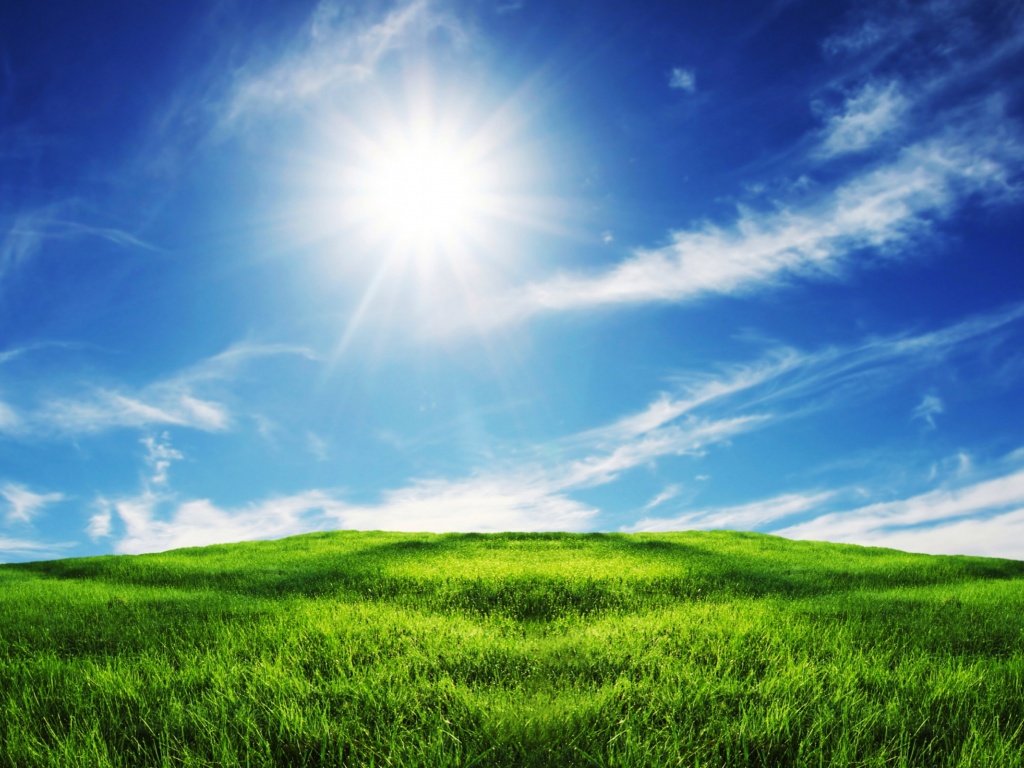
386, 649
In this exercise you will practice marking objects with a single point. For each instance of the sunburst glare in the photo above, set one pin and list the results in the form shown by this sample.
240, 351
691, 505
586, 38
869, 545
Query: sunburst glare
422, 190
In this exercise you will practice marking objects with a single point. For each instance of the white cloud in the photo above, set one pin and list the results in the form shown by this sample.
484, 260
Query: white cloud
101, 522
159, 455
174, 401
522, 498
332, 53
958, 144
536, 493
485, 504
691, 437
742, 517
683, 80
20, 549
199, 523
24, 504
882, 210
670, 492
869, 115
929, 407
931, 522
106, 409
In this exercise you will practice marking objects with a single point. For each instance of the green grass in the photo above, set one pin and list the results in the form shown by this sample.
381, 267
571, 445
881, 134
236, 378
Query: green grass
384, 649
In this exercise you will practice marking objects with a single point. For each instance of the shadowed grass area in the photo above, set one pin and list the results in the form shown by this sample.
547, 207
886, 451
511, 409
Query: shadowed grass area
513, 650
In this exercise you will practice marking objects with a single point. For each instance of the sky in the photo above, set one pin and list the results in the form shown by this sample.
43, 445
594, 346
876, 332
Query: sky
506, 265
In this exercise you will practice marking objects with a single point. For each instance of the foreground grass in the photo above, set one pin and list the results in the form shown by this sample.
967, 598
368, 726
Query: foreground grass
381, 649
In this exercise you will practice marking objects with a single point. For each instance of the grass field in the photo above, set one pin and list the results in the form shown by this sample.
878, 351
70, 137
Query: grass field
386, 649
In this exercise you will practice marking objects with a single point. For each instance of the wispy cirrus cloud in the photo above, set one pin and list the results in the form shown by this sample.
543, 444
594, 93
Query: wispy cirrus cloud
333, 51
741, 517
24, 505
984, 518
880, 211
26, 549
191, 398
522, 497
939, 146
536, 490
28, 231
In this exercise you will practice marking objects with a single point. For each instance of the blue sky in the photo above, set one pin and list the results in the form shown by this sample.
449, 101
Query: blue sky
270, 268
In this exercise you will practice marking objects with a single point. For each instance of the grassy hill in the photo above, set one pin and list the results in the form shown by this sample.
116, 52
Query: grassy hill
385, 649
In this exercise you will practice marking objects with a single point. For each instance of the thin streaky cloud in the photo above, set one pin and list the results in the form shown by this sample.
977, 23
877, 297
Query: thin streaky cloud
907, 517
332, 53
883, 210
23, 549
785, 375
30, 230
177, 400
743, 516
670, 492
537, 494
25, 505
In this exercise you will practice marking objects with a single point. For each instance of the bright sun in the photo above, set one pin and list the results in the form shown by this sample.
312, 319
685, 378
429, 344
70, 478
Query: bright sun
424, 192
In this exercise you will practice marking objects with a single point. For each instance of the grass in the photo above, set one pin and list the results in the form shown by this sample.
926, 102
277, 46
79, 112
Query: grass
387, 649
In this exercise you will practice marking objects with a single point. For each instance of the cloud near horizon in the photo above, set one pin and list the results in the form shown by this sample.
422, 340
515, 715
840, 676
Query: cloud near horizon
981, 518
536, 494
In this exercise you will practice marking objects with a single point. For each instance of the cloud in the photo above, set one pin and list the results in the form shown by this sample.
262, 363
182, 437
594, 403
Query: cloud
867, 116
670, 492
332, 52
24, 504
742, 517
30, 229
21, 549
929, 407
159, 456
485, 504
881, 211
101, 522
983, 518
790, 381
174, 401
958, 144
535, 491
105, 410
683, 80
199, 522
528, 497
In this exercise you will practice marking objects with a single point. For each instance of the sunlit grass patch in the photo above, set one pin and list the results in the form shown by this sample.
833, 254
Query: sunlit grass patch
513, 650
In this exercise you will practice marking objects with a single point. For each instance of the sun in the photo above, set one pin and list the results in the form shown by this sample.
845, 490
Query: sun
423, 191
